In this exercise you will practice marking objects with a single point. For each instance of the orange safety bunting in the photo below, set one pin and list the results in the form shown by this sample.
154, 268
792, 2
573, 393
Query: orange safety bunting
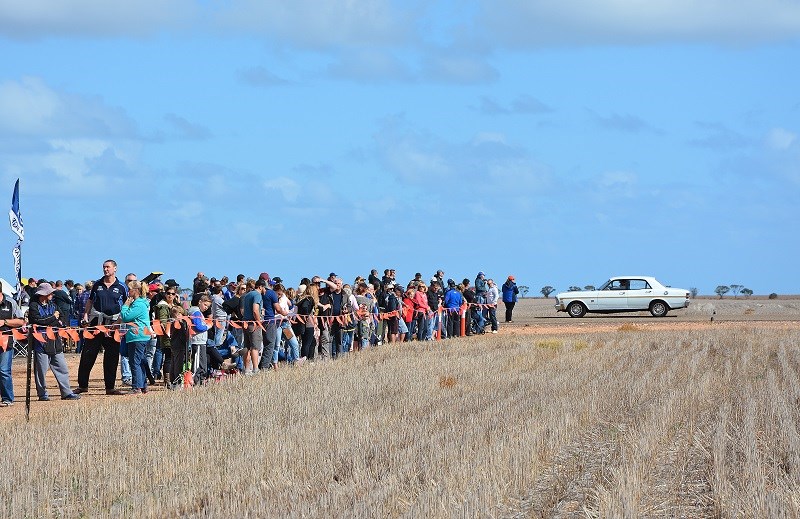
146, 331
135, 328
116, 336
235, 324
18, 335
187, 379
157, 327
3, 342
38, 336
63, 334
50, 333
87, 334
209, 322
261, 325
102, 328
218, 324
73, 334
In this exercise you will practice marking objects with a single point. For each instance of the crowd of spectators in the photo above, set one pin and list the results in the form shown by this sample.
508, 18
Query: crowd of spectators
244, 326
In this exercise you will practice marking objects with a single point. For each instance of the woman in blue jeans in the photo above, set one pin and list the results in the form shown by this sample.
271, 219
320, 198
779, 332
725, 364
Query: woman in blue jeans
136, 312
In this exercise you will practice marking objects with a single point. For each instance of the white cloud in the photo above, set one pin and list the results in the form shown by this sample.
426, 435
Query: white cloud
780, 139
288, 188
29, 107
314, 24
371, 65
103, 18
582, 22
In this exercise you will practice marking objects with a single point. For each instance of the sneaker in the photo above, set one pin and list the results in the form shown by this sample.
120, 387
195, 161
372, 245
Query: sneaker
44, 398
79, 390
494, 331
71, 396
114, 392
127, 381
6, 403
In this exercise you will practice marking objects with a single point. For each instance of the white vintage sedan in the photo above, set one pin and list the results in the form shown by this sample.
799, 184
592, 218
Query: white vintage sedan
624, 294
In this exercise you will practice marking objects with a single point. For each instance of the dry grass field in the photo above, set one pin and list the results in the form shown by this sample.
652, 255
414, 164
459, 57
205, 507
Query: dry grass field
629, 419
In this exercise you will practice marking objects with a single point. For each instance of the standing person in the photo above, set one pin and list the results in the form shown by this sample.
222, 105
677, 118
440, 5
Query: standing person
392, 309
284, 309
421, 311
125, 372
365, 307
434, 300
253, 338
492, 296
102, 308
338, 303
270, 335
510, 292
325, 309
10, 317
200, 339
307, 306
219, 317
50, 352
452, 304
163, 313
407, 310
136, 312
179, 346
63, 301
79, 304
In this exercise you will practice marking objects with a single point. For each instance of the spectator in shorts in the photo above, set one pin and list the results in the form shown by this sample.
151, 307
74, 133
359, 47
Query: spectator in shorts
252, 313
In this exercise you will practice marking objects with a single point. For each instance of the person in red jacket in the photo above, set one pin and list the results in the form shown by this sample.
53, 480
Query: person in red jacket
421, 311
408, 310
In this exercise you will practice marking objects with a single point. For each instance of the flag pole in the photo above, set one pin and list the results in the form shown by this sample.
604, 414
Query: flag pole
15, 220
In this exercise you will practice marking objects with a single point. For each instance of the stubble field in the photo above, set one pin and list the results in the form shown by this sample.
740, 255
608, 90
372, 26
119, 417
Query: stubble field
554, 417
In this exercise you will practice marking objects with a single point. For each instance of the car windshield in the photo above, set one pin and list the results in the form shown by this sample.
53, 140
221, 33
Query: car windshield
606, 285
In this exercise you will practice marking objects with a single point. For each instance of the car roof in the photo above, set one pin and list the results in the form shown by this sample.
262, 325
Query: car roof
632, 277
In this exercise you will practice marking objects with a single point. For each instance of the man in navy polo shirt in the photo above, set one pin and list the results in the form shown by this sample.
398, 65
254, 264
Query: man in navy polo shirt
103, 307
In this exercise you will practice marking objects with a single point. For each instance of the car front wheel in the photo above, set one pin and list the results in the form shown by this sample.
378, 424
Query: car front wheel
576, 309
658, 308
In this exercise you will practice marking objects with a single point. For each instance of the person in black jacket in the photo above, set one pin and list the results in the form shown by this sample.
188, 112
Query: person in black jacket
48, 352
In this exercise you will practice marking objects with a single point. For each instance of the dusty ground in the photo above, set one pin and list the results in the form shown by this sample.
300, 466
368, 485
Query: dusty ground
531, 317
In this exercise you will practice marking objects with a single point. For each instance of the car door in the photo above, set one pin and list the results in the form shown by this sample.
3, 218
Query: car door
639, 295
614, 297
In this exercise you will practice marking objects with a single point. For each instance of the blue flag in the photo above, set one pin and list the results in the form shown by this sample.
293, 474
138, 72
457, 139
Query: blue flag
14, 217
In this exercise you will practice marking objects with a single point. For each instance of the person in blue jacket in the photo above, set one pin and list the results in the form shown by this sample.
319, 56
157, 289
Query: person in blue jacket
510, 292
453, 300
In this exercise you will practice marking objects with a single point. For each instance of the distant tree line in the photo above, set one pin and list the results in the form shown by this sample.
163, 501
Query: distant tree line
735, 289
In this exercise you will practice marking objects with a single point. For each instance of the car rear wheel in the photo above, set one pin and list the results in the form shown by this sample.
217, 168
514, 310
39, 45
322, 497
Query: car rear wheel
658, 308
576, 309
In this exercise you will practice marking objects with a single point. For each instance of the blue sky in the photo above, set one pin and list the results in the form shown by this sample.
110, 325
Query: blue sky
562, 142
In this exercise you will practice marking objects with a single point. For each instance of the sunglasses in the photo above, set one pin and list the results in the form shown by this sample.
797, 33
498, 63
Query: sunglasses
171, 293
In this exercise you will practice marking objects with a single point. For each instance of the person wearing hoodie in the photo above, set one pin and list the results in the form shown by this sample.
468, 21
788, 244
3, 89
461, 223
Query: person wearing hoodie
135, 313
